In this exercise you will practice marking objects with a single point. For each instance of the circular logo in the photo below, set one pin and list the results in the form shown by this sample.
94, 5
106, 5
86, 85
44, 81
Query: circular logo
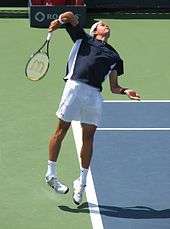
39, 16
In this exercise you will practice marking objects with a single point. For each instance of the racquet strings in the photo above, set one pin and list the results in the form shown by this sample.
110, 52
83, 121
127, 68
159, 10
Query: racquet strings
37, 66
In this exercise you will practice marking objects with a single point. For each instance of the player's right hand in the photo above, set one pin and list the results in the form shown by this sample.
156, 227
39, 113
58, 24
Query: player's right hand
54, 25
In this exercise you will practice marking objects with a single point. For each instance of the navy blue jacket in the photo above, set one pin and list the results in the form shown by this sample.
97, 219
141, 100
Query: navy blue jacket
91, 60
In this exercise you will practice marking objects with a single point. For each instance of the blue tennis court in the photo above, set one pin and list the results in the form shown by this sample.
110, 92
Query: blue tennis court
131, 165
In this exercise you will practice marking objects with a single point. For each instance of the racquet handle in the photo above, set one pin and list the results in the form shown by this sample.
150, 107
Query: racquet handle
49, 36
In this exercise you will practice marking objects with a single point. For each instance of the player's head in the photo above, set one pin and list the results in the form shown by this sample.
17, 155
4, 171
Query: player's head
100, 28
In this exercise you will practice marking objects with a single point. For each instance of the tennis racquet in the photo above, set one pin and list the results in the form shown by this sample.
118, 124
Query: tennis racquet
38, 64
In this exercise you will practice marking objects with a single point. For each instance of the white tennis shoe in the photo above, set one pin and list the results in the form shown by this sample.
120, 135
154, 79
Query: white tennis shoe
78, 191
58, 187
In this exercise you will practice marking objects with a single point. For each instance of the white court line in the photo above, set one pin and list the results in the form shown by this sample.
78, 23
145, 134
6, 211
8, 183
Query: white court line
132, 129
135, 101
90, 189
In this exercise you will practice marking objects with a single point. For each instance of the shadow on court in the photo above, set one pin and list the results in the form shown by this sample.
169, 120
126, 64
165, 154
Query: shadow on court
136, 212
83, 208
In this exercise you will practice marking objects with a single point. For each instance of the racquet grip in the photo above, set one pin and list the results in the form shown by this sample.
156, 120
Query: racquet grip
49, 36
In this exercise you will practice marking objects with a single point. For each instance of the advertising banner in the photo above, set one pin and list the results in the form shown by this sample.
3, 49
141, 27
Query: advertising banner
41, 16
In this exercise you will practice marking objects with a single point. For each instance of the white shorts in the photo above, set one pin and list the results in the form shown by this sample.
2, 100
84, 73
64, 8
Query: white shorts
80, 102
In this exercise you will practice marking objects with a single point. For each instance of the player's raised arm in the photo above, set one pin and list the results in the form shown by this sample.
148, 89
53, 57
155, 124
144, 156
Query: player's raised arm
115, 88
72, 26
67, 17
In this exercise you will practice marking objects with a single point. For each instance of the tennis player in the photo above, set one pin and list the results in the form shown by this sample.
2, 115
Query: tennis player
90, 61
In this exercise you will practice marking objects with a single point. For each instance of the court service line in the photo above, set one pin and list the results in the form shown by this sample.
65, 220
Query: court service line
90, 189
134, 101
132, 129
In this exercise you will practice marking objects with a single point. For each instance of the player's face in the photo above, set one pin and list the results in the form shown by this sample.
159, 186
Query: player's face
103, 29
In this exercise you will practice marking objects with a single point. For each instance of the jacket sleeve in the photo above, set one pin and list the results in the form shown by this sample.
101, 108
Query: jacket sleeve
119, 67
76, 32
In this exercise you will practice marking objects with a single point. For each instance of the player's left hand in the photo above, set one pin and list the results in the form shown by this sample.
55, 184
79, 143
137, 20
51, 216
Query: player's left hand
132, 94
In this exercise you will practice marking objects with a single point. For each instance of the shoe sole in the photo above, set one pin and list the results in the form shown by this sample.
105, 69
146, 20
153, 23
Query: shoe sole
77, 203
66, 191
56, 191
60, 192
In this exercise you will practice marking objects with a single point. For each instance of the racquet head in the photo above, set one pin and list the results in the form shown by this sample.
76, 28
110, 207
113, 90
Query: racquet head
37, 66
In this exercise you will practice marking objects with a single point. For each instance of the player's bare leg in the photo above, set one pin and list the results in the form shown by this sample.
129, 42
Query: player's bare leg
56, 139
88, 132
54, 149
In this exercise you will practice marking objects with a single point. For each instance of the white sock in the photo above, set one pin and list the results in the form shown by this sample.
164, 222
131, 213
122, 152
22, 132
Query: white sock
51, 170
83, 176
